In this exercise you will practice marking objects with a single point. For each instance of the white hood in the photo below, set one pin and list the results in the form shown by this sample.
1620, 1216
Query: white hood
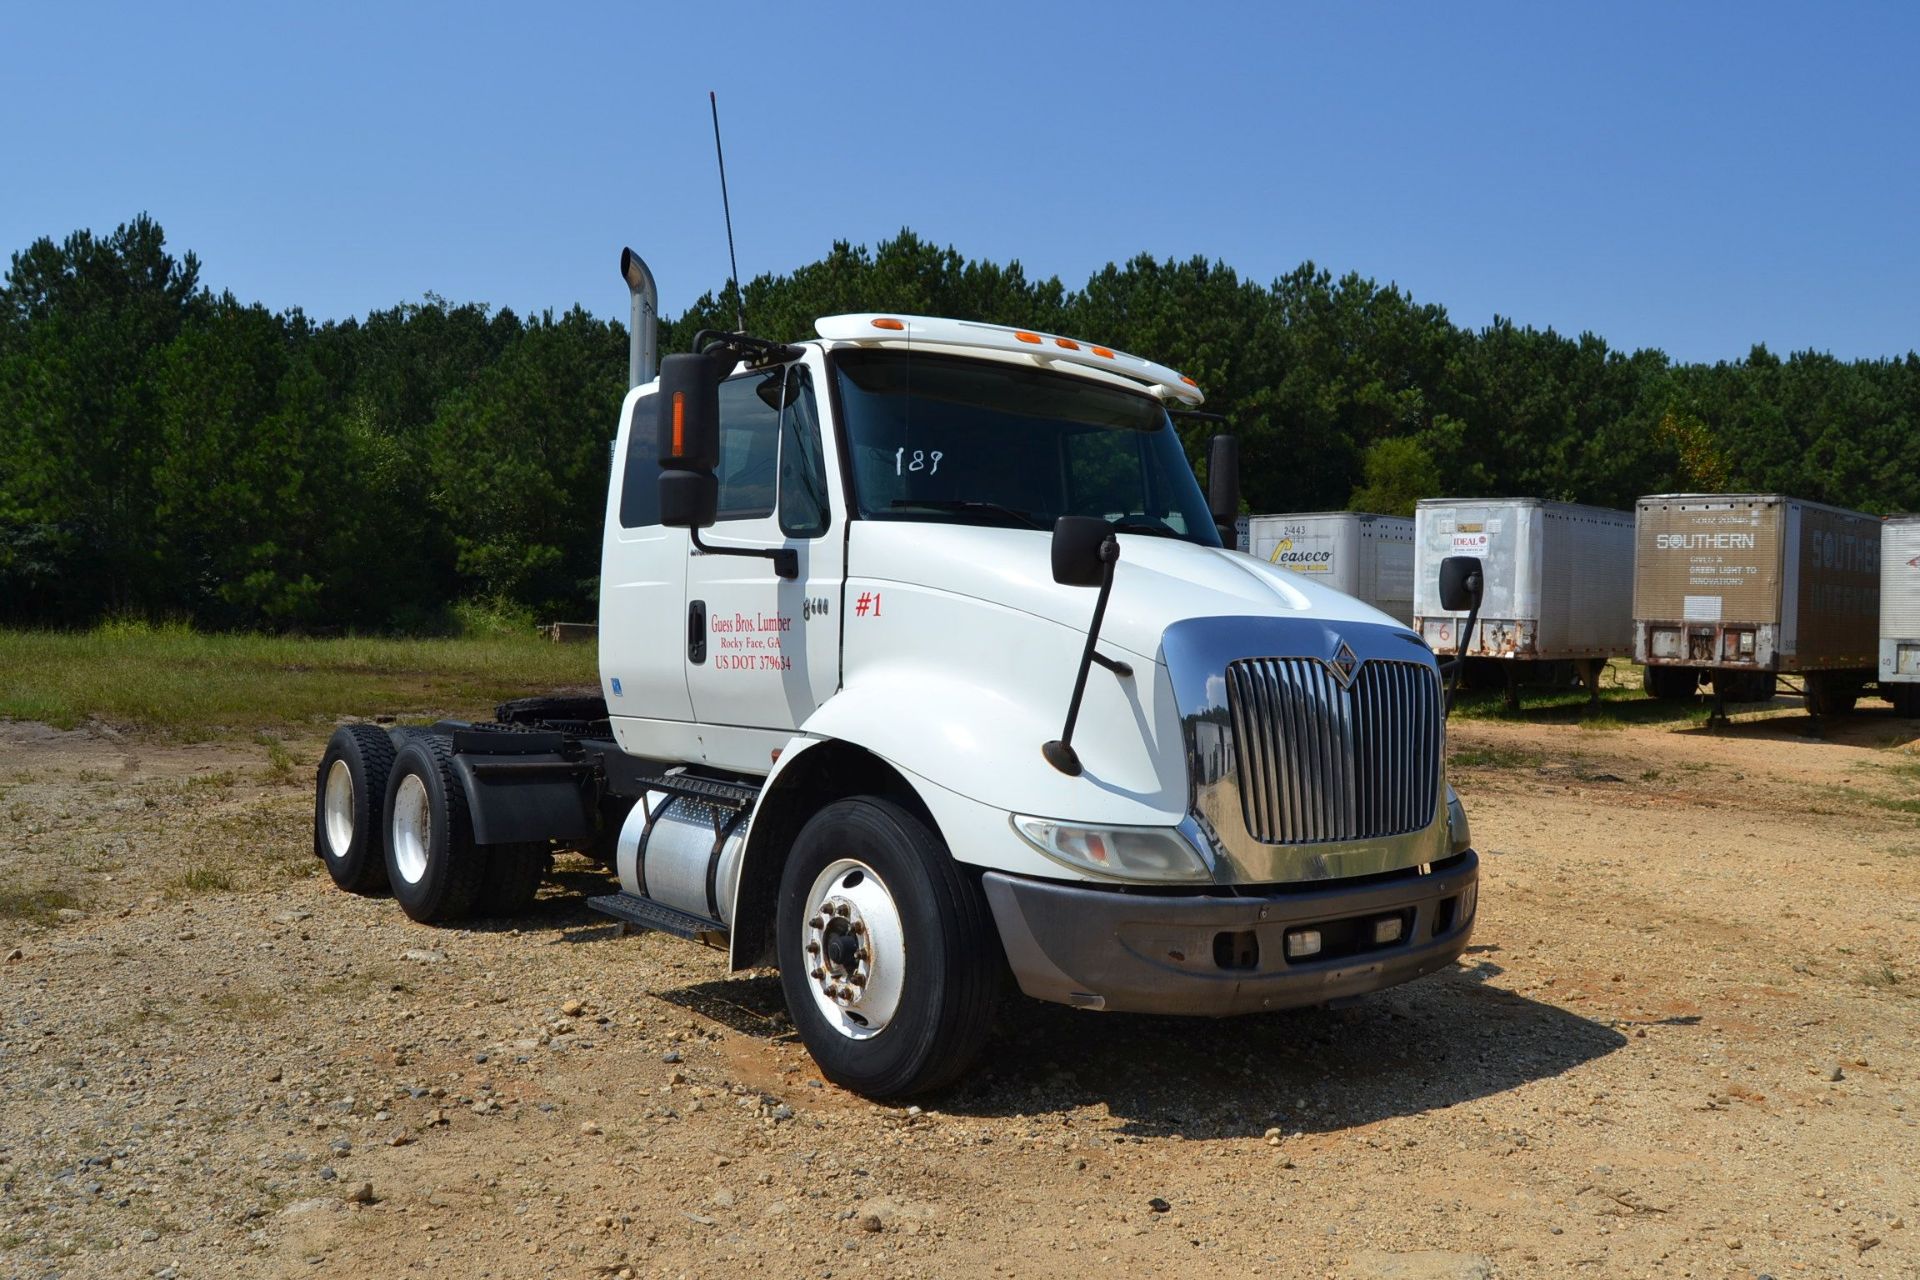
1159, 581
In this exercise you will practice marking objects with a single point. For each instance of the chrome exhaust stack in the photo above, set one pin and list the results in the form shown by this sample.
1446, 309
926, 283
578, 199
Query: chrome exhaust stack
643, 333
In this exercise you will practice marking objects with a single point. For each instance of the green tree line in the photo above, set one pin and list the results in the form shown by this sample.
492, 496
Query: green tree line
166, 451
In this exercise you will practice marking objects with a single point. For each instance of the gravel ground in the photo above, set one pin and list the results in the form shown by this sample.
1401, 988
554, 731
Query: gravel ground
1684, 1043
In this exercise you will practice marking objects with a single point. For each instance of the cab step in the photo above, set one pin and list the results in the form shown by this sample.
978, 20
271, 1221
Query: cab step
645, 913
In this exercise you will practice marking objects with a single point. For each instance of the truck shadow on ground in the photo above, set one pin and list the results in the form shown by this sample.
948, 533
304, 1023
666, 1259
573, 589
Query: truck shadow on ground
1445, 1040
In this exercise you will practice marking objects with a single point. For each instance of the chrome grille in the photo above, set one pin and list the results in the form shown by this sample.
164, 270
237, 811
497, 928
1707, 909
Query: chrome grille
1318, 762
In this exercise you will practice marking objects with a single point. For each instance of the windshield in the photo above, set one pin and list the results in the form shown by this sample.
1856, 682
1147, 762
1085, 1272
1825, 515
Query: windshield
979, 442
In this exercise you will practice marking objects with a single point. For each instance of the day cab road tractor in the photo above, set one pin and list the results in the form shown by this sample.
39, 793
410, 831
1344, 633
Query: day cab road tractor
922, 664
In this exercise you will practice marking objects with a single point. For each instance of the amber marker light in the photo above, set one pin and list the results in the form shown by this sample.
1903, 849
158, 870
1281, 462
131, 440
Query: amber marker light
1068, 343
888, 323
679, 423
1024, 336
1103, 353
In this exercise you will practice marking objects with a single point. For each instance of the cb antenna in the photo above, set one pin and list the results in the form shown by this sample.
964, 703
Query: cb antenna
739, 299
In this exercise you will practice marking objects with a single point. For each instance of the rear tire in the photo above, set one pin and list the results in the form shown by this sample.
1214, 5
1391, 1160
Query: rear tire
433, 866
898, 994
349, 798
1669, 684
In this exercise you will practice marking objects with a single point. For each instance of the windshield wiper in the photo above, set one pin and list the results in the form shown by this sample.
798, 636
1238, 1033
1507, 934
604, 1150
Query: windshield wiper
1146, 524
969, 505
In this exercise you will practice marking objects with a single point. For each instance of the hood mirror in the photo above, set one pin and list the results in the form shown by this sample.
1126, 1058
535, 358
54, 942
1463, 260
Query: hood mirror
1085, 551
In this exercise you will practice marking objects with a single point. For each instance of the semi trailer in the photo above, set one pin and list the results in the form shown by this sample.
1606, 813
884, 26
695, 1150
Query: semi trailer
1900, 613
923, 664
1736, 589
1366, 556
1559, 584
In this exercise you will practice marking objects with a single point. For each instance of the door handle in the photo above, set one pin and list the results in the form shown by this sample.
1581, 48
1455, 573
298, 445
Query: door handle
697, 632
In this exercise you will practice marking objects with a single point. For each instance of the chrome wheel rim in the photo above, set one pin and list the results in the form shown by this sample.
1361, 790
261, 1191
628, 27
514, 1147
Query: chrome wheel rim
412, 828
855, 950
336, 808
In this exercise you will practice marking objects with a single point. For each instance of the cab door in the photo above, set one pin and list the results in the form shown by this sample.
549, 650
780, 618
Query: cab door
643, 587
763, 651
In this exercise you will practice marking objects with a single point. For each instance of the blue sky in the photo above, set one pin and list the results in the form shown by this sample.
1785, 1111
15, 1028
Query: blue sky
1696, 177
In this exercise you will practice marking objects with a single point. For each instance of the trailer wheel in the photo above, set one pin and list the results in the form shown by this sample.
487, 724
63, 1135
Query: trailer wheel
886, 950
1745, 686
1830, 695
1904, 697
433, 866
1669, 684
514, 873
349, 795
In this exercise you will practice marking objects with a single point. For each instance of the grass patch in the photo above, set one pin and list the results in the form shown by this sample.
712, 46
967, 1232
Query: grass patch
281, 767
1884, 978
1495, 758
1909, 805
248, 1005
1618, 708
1907, 769
204, 879
177, 681
35, 906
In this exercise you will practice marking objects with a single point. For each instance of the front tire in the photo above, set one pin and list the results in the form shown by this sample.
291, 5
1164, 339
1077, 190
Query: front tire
433, 866
886, 949
350, 795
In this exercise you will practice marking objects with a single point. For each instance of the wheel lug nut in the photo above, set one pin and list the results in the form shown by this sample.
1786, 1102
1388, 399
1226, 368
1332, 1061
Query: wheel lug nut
818, 922
818, 974
859, 979
859, 928
813, 948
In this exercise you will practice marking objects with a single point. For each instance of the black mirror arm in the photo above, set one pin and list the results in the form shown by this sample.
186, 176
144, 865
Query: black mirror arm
786, 560
1460, 653
1060, 753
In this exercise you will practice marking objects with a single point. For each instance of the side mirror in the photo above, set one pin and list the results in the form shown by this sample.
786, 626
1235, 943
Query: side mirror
688, 499
1223, 486
687, 437
1080, 554
1460, 583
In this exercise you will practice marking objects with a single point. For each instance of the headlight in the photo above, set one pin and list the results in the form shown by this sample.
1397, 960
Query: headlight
1123, 853
1457, 829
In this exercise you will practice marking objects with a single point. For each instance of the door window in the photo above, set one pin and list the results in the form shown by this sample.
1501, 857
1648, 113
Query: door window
769, 450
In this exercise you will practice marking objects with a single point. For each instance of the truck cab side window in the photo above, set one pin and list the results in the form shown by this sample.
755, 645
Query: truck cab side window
640, 485
803, 469
749, 446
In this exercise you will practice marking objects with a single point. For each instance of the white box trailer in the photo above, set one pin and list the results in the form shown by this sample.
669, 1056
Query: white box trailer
1559, 587
1366, 556
1900, 613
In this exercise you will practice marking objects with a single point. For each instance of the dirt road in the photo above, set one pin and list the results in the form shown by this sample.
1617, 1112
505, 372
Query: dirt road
1685, 1042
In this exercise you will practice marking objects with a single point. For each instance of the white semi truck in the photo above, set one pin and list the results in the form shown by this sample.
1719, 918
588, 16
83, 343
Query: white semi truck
851, 591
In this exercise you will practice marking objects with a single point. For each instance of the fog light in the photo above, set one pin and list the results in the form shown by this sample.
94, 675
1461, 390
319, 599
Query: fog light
1302, 943
1388, 930
1468, 901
